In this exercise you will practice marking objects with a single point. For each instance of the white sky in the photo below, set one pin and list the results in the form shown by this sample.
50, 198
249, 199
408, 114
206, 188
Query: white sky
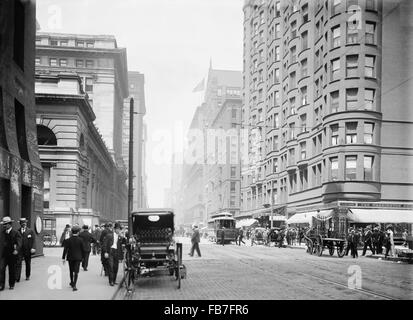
171, 42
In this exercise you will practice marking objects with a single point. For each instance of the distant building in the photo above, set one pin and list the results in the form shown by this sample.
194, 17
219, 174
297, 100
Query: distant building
21, 175
326, 90
211, 170
137, 92
81, 182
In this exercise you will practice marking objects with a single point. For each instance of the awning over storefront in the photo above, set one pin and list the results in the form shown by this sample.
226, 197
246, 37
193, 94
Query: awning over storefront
380, 216
306, 217
246, 223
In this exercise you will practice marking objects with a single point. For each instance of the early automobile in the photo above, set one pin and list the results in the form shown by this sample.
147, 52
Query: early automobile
151, 246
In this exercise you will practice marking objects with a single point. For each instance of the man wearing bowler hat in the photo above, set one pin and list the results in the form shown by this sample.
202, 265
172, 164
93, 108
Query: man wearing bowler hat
74, 252
112, 251
27, 249
10, 249
105, 232
88, 239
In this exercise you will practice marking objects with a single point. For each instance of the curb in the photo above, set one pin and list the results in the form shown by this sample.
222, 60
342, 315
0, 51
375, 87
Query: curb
401, 260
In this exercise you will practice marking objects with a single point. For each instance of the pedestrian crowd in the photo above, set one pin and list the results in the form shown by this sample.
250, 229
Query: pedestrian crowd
107, 240
369, 238
78, 243
16, 246
292, 236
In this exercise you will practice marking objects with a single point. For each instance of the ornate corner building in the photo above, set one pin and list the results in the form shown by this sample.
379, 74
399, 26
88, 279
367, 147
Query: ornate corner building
326, 101
21, 175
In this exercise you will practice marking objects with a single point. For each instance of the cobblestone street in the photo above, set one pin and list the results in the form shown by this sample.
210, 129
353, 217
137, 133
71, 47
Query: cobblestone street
264, 273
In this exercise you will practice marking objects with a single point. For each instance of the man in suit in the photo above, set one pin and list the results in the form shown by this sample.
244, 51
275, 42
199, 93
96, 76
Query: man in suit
355, 239
27, 249
88, 239
11, 246
96, 234
65, 235
74, 252
105, 232
350, 241
195, 239
368, 240
113, 253
223, 236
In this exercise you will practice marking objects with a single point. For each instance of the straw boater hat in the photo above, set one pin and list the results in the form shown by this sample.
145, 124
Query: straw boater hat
6, 220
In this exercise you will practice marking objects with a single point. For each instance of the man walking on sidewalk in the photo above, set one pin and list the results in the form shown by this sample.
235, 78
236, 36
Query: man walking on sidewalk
96, 234
105, 232
88, 239
74, 252
113, 253
27, 249
11, 245
196, 238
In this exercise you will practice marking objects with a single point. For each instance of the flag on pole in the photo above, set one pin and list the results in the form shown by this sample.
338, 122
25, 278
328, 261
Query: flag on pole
200, 86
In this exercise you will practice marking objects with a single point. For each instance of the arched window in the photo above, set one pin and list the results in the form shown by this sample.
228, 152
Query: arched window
45, 136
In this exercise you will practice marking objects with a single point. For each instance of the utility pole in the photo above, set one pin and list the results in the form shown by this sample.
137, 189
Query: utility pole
130, 179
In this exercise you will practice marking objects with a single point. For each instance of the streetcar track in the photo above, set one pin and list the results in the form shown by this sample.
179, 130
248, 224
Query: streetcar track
365, 291
360, 290
322, 267
254, 263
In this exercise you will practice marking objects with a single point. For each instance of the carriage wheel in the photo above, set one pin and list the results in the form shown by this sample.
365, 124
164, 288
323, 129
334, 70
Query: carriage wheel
179, 263
331, 249
341, 249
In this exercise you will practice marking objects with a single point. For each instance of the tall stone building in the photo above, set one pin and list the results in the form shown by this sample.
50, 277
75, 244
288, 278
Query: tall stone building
211, 171
21, 175
137, 92
326, 95
102, 65
81, 181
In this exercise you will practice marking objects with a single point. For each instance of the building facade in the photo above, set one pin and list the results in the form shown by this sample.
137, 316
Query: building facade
211, 170
136, 82
81, 181
222, 169
326, 96
21, 174
102, 65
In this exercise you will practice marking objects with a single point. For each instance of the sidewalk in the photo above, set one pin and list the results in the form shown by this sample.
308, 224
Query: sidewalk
48, 272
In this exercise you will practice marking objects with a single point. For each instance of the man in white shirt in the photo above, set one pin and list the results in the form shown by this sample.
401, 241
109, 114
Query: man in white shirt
112, 250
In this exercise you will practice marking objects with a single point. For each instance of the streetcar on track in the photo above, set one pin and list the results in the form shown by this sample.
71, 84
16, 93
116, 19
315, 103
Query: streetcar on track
219, 223
151, 247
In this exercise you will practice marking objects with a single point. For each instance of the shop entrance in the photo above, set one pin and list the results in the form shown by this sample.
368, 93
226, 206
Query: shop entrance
26, 208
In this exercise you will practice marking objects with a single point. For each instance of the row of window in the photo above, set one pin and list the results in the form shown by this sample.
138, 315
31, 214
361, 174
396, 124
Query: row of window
350, 173
63, 62
65, 43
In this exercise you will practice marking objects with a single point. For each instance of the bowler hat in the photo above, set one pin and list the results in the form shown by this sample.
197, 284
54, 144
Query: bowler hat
75, 229
6, 220
85, 226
